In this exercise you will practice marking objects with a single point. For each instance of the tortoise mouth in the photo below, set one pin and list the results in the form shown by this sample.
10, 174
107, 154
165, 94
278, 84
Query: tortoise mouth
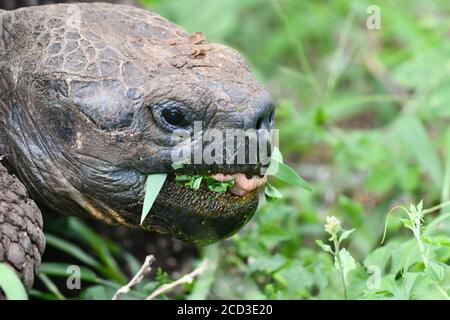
199, 216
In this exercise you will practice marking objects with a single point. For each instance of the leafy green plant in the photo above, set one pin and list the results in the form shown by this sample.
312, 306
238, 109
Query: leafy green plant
343, 261
418, 261
416, 215
415, 223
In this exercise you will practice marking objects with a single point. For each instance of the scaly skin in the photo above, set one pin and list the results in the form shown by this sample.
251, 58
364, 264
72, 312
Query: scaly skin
21, 238
82, 91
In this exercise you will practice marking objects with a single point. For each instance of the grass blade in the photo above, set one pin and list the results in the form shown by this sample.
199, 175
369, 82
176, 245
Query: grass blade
433, 224
37, 294
153, 185
98, 244
419, 144
72, 250
51, 286
11, 284
60, 270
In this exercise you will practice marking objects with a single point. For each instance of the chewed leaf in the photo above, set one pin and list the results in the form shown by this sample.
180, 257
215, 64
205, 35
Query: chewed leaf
10, 284
180, 164
194, 182
153, 185
218, 186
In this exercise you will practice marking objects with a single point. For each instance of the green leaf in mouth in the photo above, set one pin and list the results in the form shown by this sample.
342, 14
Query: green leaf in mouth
153, 185
277, 169
218, 186
285, 173
194, 182
180, 164
289, 175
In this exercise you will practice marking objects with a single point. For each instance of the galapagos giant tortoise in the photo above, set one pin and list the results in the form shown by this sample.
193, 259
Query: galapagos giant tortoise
89, 96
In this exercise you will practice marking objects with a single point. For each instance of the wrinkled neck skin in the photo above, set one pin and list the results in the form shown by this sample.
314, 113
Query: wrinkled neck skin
70, 165
80, 104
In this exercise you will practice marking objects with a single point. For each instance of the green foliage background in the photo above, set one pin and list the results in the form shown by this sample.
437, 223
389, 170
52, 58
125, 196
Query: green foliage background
363, 116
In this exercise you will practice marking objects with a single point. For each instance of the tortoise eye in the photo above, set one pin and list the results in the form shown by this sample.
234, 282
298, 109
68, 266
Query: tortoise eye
173, 117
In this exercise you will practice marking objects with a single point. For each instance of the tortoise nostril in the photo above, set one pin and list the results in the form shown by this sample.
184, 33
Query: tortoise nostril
262, 117
272, 117
260, 123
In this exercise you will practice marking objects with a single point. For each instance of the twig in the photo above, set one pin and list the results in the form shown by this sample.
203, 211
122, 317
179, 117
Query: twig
137, 277
188, 278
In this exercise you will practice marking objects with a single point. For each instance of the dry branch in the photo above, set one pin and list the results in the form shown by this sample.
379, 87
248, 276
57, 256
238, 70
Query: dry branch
188, 278
146, 267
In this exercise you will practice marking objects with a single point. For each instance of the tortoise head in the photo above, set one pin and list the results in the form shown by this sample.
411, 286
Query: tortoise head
97, 97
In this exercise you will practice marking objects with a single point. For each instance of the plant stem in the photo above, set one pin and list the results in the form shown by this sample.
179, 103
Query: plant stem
416, 222
337, 256
421, 248
443, 292
439, 206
